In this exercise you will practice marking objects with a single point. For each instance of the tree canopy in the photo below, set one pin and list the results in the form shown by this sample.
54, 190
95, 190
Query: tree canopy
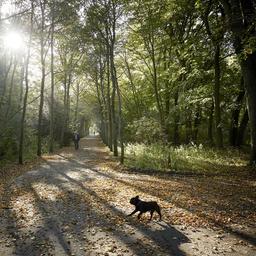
167, 72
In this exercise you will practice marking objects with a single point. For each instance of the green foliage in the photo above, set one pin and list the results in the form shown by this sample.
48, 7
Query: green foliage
184, 159
145, 130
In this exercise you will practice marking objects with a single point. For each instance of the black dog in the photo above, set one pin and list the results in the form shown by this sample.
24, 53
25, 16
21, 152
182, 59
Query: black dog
142, 206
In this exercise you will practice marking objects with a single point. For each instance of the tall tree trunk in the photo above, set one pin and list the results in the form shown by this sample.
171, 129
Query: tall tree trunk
176, 136
22, 78
210, 124
120, 119
115, 125
197, 123
77, 102
63, 128
235, 116
156, 91
68, 100
9, 101
52, 84
188, 126
3, 81
67, 83
241, 129
22, 128
136, 98
241, 18
249, 74
100, 100
41, 104
104, 104
110, 120
217, 109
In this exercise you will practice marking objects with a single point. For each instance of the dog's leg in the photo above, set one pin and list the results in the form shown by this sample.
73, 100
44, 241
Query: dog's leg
151, 214
159, 212
133, 212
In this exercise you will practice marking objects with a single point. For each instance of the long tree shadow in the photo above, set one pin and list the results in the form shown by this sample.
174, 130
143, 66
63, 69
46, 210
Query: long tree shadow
51, 224
169, 237
242, 235
33, 241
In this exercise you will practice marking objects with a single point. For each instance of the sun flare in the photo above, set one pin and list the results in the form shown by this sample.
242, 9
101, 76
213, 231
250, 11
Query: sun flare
14, 41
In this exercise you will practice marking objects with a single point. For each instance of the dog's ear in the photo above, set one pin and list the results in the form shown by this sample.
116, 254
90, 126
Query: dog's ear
137, 197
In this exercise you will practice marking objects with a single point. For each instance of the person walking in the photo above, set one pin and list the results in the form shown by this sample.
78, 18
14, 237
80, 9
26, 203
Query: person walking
76, 139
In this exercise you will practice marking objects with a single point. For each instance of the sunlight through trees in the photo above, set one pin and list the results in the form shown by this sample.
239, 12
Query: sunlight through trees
166, 72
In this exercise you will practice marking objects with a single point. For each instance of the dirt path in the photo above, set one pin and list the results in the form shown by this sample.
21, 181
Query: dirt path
77, 203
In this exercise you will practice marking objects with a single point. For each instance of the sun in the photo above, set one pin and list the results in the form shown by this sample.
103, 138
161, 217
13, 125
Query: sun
14, 41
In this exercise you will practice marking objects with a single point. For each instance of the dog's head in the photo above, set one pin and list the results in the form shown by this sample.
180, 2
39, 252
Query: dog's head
134, 200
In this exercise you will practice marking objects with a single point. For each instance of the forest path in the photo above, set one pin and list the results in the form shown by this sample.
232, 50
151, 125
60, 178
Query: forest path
77, 202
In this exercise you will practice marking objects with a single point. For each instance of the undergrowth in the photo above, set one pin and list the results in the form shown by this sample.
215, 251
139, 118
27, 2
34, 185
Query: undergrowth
185, 158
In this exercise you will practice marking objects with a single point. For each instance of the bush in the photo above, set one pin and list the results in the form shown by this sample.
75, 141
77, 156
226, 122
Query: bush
188, 158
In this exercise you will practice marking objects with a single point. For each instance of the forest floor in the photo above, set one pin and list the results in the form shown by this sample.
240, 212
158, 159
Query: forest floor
77, 202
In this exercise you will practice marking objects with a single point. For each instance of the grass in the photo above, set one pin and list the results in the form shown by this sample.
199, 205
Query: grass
186, 158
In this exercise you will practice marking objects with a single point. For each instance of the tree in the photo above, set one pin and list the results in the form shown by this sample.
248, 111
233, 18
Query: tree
52, 79
26, 64
241, 20
43, 52
216, 36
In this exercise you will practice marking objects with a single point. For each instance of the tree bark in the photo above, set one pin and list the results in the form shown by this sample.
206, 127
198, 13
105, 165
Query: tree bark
176, 136
52, 84
235, 116
241, 129
241, 18
249, 74
120, 120
197, 122
210, 124
104, 103
113, 113
9, 101
42, 58
22, 128
110, 118
217, 109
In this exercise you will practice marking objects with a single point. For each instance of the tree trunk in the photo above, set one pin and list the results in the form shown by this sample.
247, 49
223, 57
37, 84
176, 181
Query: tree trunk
210, 124
3, 82
63, 128
235, 116
22, 128
176, 137
114, 88
136, 99
188, 126
42, 58
77, 102
241, 129
196, 123
156, 91
241, 18
104, 104
52, 84
109, 108
9, 102
120, 120
217, 109
100, 100
248, 69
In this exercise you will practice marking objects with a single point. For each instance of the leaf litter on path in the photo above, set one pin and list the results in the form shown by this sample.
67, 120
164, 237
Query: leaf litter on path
77, 203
